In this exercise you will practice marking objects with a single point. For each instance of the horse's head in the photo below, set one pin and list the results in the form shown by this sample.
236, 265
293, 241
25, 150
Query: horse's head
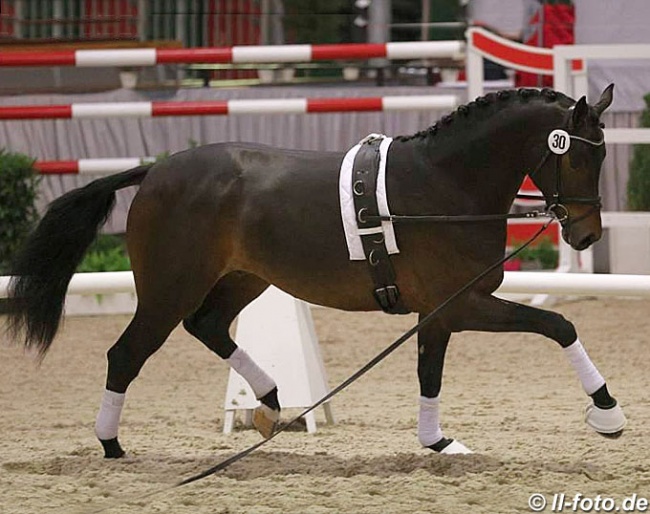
569, 178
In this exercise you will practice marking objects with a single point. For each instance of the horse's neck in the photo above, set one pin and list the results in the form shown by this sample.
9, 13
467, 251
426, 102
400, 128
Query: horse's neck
490, 161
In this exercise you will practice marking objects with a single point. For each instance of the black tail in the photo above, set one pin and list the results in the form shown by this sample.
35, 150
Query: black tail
42, 269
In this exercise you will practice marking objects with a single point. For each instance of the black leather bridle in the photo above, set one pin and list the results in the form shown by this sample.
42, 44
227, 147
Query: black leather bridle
557, 202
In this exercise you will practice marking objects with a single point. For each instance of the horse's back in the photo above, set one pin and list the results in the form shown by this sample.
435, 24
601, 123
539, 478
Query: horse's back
243, 165
250, 207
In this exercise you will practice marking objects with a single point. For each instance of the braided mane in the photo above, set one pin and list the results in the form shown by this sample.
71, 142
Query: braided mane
474, 108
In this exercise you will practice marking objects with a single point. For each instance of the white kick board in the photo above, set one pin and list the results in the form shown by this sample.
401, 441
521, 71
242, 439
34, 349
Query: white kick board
277, 331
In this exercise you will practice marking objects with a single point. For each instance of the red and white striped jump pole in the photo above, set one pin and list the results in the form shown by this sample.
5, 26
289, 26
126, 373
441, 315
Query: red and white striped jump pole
227, 107
235, 54
90, 166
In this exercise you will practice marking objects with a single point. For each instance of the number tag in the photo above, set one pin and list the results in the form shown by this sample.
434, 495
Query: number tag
559, 141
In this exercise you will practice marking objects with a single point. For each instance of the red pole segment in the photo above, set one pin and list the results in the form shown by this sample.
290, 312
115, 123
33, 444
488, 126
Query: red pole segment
48, 58
516, 55
56, 167
34, 112
348, 51
344, 104
189, 108
194, 55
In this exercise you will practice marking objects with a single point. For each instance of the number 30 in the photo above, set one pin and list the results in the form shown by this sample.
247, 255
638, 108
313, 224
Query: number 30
559, 141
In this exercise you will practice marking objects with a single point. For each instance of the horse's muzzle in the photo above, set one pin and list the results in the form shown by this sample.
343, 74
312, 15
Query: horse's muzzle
581, 225
585, 242
580, 236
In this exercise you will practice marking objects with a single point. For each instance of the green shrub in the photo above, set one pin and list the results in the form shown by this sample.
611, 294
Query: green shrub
638, 185
18, 192
107, 253
543, 252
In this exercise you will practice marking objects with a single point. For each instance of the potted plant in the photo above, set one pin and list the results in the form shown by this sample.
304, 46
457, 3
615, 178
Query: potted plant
638, 185
107, 253
18, 192
543, 255
630, 246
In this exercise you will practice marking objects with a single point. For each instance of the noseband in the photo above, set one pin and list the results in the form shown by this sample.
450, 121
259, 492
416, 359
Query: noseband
559, 144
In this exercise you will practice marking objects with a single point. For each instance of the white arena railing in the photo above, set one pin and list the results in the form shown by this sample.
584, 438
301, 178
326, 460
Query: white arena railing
564, 54
517, 282
568, 64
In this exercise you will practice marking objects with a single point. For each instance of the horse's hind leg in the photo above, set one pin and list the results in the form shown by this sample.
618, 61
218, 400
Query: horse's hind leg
210, 324
172, 279
143, 336
164, 299
491, 314
432, 346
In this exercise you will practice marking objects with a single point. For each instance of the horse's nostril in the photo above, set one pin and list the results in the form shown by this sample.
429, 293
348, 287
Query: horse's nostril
586, 242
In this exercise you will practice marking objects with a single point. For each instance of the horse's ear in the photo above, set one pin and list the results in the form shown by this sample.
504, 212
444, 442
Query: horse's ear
580, 111
605, 100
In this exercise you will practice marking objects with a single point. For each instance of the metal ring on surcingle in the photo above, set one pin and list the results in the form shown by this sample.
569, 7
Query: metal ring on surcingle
372, 259
361, 215
359, 188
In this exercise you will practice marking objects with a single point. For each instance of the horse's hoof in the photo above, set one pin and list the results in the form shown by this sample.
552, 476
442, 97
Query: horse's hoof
450, 447
265, 420
112, 448
607, 422
613, 435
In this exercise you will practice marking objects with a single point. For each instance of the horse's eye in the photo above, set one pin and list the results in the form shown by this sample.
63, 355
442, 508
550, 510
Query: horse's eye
601, 125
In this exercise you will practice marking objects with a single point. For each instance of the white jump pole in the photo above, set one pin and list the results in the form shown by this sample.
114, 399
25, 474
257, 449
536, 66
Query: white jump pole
569, 284
91, 283
560, 284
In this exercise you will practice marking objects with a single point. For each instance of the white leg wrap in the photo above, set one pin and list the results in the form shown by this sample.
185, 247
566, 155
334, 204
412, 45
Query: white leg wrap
259, 381
429, 431
108, 418
590, 377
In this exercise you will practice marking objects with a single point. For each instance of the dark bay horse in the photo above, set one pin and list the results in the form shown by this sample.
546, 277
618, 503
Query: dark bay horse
210, 228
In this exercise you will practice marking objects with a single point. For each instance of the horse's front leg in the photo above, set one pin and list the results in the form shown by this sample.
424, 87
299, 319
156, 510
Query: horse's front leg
491, 314
432, 345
